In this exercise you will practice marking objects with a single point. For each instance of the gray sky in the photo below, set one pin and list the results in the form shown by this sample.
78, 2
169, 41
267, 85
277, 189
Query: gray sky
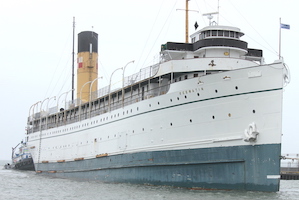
36, 46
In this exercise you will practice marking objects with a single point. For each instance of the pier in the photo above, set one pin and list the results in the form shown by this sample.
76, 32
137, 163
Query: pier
289, 167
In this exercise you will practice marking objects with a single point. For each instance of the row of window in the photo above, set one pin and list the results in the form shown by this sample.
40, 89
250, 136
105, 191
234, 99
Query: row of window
111, 117
58, 119
114, 136
104, 119
218, 33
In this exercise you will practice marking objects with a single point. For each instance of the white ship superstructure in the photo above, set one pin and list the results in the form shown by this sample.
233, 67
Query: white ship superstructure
208, 115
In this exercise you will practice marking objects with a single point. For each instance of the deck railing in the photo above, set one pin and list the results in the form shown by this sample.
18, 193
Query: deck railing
75, 110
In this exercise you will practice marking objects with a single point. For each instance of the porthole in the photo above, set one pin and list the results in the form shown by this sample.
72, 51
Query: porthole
198, 94
158, 103
190, 120
170, 124
229, 114
236, 87
185, 97
213, 117
150, 105
178, 98
170, 100
216, 91
253, 111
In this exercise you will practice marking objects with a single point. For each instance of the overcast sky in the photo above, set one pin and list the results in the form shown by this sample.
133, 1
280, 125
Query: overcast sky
36, 47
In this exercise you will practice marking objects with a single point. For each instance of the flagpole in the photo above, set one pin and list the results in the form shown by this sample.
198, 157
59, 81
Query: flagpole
279, 39
73, 61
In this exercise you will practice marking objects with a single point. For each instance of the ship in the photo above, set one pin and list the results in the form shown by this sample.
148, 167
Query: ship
208, 115
21, 158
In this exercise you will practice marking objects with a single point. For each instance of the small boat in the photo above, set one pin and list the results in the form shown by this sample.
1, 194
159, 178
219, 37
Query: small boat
21, 158
7, 166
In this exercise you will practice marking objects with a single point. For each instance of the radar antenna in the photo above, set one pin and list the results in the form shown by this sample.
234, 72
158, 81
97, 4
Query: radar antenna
210, 17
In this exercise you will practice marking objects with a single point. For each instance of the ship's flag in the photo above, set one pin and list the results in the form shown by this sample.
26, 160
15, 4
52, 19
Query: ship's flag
282, 26
196, 25
285, 26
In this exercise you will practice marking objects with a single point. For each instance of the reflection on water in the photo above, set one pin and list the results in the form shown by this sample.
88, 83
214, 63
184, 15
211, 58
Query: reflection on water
27, 185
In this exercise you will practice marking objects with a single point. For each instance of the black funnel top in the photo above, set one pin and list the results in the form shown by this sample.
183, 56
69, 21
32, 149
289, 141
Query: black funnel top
86, 38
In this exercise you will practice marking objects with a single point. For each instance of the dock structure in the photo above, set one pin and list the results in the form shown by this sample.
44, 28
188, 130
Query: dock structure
289, 176
290, 167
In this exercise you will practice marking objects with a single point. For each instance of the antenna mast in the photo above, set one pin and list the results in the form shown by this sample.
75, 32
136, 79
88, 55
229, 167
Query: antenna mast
187, 22
218, 13
73, 62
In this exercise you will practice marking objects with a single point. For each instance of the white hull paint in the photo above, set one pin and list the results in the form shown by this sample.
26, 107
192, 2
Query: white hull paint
212, 113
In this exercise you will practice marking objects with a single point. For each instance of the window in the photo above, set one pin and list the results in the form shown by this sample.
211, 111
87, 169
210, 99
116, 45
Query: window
220, 33
201, 36
214, 32
226, 33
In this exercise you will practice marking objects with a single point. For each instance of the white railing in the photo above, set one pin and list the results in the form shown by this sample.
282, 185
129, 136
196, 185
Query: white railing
60, 119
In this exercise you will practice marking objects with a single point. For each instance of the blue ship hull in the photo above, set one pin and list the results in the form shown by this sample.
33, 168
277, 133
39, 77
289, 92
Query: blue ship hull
237, 168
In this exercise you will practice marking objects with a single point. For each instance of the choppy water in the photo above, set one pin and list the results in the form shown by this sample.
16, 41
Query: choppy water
27, 185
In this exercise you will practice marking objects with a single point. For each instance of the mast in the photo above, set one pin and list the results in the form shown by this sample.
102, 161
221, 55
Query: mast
279, 55
218, 13
187, 22
73, 61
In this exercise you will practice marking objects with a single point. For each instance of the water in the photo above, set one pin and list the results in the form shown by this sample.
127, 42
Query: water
27, 185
